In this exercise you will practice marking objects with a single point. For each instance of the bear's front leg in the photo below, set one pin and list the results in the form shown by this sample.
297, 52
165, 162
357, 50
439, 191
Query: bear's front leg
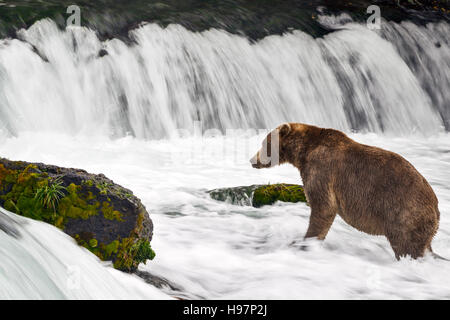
320, 222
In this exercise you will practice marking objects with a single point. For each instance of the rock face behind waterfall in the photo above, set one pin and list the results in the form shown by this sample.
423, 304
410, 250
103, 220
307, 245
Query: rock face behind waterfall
100, 215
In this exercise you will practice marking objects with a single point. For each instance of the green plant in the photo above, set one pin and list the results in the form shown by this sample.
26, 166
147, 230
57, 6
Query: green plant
50, 195
144, 251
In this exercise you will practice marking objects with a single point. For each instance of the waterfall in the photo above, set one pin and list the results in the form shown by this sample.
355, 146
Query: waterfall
65, 93
70, 82
38, 261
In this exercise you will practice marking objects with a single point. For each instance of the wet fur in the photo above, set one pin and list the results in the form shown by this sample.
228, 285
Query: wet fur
374, 190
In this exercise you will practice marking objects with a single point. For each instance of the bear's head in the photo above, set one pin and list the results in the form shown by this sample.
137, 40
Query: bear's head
280, 146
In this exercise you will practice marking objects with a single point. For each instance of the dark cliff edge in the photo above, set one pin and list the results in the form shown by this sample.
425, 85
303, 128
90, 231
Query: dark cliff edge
254, 19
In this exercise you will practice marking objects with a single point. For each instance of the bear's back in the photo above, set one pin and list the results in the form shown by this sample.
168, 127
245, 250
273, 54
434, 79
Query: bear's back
371, 178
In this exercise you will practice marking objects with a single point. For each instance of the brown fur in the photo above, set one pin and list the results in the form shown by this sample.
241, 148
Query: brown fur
374, 190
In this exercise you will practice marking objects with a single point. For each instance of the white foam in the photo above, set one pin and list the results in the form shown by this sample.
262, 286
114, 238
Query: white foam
217, 250
45, 263
350, 79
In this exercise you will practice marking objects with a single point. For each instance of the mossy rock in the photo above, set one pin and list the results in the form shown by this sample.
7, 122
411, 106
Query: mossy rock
237, 195
100, 215
260, 195
269, 194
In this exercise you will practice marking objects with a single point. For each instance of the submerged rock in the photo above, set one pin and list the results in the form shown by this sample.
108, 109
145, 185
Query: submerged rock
158, 282
100, 215
260, 195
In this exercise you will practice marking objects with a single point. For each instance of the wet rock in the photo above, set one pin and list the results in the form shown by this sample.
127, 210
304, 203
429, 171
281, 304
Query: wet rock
254, 19
260, 195
156, 281
102, 53
100, 215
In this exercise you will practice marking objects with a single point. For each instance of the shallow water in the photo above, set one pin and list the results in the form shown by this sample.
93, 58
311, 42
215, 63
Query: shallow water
217, 250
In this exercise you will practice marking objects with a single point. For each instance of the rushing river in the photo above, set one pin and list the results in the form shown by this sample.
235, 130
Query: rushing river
121, 114
212, 249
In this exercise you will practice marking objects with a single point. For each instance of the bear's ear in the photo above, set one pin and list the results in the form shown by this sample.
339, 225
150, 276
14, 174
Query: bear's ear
284, 129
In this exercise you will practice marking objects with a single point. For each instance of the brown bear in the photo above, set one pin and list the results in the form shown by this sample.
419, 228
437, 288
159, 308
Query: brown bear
374, 190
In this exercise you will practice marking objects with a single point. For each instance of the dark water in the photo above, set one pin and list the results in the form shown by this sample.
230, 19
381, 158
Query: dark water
255, 19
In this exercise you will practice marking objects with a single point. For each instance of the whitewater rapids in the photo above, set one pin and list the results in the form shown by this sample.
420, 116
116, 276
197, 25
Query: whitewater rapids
38, 261
211, 249
120, 114
391, 81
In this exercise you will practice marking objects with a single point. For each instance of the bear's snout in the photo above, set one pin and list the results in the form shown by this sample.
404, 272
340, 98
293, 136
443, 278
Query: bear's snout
256, 162
256, 166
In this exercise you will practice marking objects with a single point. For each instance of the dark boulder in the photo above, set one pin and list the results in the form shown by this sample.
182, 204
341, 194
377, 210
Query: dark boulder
100, 215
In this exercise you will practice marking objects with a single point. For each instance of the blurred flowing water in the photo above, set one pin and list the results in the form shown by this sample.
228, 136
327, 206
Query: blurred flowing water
40, 262
69, 99
391, 81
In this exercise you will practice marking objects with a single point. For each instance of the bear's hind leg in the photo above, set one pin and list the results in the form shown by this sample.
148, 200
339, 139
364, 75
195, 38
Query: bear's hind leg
412, 234
411, 244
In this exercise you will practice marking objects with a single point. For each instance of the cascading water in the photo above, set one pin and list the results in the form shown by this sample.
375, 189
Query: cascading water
352, 79
40, 262
69, 99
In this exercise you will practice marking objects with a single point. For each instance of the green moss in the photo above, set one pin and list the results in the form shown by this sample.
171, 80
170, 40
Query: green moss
89, 243
18, 194
109, 188
76, 205
103, 187
109, 212
24, 186
93, 243
127, 253
111, 249
269, 194
130, 254
88, 183
21, 197
144, 252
